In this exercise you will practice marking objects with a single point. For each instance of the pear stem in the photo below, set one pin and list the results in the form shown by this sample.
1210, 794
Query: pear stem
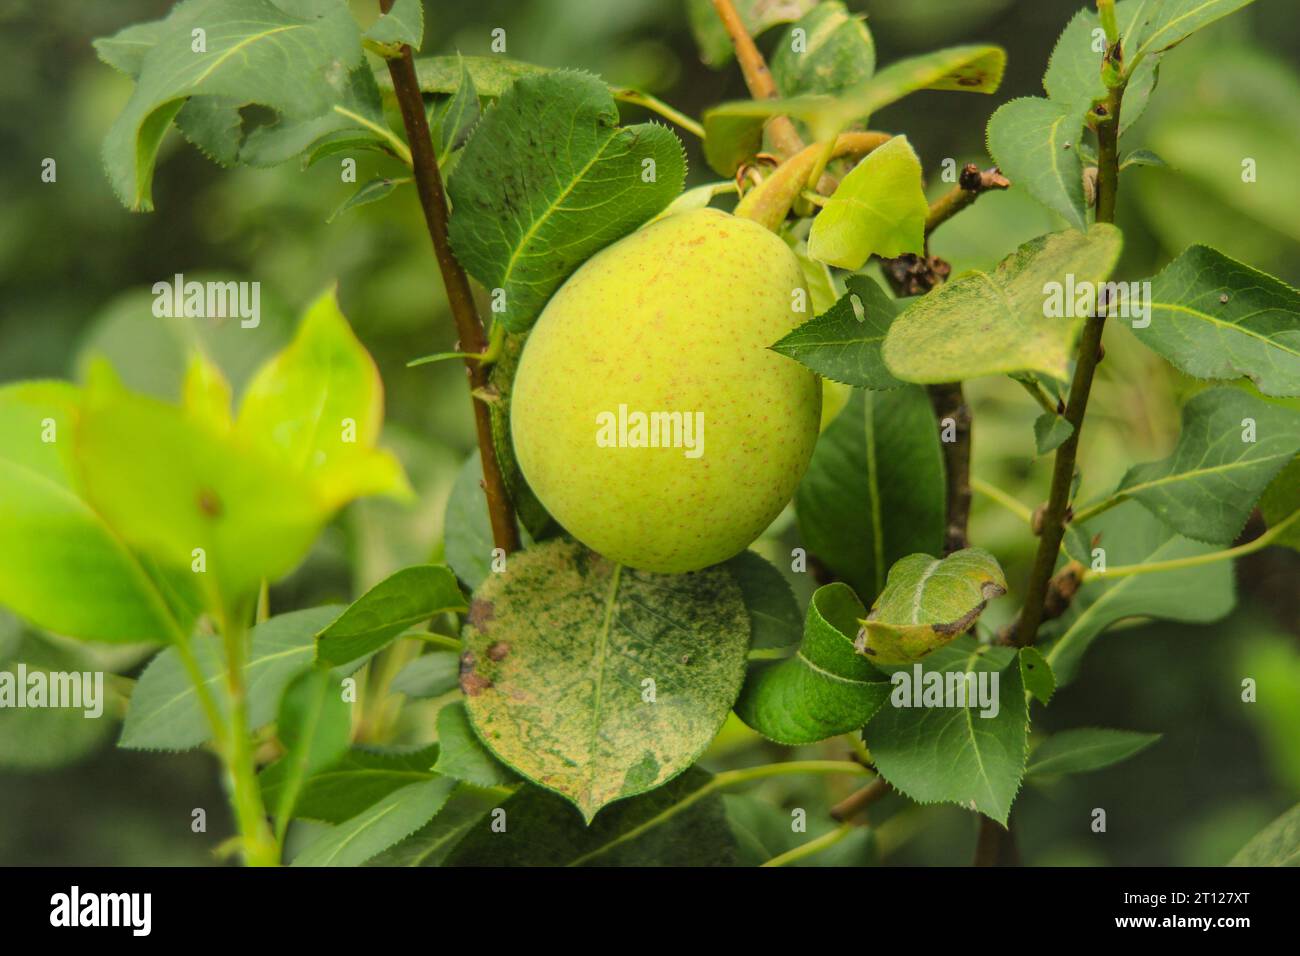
469, 328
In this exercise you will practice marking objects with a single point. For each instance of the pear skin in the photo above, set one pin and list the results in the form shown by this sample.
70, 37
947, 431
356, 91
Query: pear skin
672, 324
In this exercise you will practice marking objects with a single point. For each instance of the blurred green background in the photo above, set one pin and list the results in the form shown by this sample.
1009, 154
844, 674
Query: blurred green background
75, 270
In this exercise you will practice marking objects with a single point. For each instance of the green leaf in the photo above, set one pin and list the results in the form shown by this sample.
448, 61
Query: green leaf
878, 209
456, 117
576, 187
774, 618
881, 453
255, 52
359, 779
1232, 445
825, 688
185, 489
1050, 430
315, 725
927, 602
1073, 76
670, 827
1035, 142
404, 23
61, 565
837, 52
356, 108
999, 323
733, 131
165, 713
395, 604
367, 193
1213, 317
1036, 674
36, 738
955, 754
1090, 748
1131, 535
430, 675
320, 405
1141, 157
558, 650
839, 345
434, 842
1280, 501
1278, 844
379, 826
461, 755
1172, 21
757, 15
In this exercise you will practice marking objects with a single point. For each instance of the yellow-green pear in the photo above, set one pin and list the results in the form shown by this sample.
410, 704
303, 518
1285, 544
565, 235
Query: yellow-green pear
648, 414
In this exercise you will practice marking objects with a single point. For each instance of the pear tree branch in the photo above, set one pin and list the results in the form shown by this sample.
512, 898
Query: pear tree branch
758, 78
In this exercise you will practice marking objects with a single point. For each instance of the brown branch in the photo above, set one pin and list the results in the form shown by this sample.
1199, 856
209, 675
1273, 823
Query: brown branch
1057, 511
859, 800
996, 846
949, 402
972, 184
758, 78
433, 200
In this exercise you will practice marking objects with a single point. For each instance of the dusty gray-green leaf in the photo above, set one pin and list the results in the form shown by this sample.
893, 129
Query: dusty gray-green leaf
927, 602
1089, 748
1128, 535
165, 713
956, 754
355, 781
1036, 674
825, 688
1213, 317
879, 209
578, 185
544, 831
558, 652
1017, 318
774, 619
404, 23
1034, 141
843, 347
430, 675
836, 52
315, 725
395, 604
255, 52
1231, 447
883, 452
379, 826
1278, 844
462, 756
1050, 430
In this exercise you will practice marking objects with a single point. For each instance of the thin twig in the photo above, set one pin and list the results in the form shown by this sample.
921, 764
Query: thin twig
816, 845
859, 800
1056, 513
758, 78
971, 184
433, 200
949, 404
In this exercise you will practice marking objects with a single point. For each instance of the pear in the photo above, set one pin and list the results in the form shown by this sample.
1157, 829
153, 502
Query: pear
648, 414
